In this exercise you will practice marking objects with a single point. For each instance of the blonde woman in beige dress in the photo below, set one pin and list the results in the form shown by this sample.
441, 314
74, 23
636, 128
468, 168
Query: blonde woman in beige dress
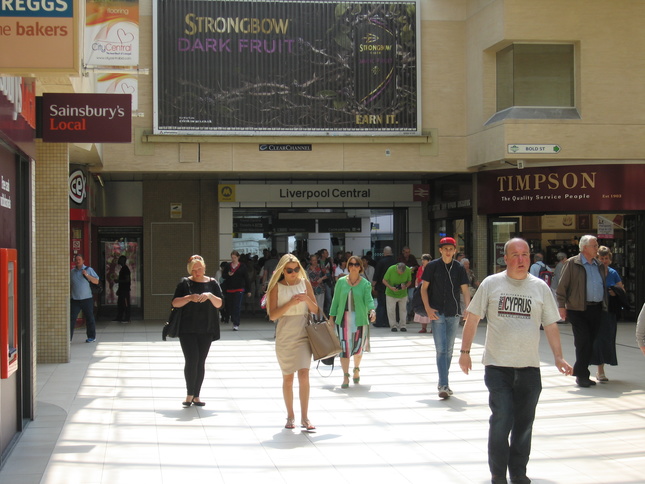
290, 300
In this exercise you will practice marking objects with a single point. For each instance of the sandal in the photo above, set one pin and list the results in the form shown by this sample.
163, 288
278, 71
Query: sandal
345, 385
291, 423
357, 379
306, 424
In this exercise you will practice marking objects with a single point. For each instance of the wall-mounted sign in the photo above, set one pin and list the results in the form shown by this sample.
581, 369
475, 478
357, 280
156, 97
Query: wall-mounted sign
340, 225
534, 149
293, 226
285, 147
568, 189
38, 36
176, 210
18, 111
86, 118
77, 186
112, 33
323, 193
297, 67
250, 225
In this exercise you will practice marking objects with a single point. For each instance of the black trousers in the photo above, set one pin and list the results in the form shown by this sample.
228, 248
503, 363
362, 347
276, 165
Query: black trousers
585, 326
123, 307
195, 347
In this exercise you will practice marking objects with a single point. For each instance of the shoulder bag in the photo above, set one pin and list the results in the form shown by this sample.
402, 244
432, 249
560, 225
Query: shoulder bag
95, 288
171, 328
322, 337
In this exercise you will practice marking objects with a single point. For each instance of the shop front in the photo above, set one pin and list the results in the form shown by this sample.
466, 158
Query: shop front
17, 152
553, 207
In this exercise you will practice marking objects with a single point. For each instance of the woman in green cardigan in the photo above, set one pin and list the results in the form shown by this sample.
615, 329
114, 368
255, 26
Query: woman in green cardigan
352, 309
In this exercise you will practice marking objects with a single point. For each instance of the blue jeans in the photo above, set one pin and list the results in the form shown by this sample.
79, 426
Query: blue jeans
87, 306
513, 396
234, 306
444, 331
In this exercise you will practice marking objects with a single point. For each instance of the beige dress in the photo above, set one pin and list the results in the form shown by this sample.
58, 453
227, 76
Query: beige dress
291, 343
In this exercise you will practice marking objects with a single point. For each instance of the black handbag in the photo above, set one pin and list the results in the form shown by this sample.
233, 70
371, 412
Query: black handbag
171, 328
95, 288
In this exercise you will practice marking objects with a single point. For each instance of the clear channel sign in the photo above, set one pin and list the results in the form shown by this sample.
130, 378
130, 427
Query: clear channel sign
534, 149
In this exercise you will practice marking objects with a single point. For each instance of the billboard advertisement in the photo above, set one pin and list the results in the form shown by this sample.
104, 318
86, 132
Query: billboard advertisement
286, 67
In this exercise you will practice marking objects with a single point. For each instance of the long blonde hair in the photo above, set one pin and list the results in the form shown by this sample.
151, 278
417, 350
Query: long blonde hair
278, 274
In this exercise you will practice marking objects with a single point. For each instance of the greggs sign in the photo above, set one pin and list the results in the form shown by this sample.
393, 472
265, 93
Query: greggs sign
86, 118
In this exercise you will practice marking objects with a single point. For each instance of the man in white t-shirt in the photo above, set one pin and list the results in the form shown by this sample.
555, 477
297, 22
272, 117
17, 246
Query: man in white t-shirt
515, 304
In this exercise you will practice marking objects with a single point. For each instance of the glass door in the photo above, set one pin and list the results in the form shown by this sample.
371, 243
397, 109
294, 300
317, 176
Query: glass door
501, 230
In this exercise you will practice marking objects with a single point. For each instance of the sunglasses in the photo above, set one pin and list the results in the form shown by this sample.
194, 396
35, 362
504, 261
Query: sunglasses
355, 264
195, 257
289, 270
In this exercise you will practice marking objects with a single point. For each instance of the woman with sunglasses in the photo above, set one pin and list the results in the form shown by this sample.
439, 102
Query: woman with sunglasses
290, 299
352, 309
199, 296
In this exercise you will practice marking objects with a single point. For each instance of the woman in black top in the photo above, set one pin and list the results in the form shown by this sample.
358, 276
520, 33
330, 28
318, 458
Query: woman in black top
199, 296
236, 283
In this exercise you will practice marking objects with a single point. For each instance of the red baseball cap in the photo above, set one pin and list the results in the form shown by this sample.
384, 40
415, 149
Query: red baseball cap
447, 241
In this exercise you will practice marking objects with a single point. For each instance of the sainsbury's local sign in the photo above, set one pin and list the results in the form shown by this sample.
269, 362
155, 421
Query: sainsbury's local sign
86, 118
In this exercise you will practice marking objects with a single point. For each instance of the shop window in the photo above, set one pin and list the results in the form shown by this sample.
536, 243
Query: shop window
533, 79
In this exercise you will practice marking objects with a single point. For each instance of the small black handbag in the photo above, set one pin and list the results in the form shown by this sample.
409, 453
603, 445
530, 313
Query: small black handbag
171, 328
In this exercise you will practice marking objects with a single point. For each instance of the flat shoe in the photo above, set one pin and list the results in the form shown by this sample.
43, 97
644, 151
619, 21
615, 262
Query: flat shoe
601, 377
291, 423
186, 404
199, 404
306, 424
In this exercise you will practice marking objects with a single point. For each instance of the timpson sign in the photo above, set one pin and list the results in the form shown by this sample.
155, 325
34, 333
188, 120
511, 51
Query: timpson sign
561, 189
86, 118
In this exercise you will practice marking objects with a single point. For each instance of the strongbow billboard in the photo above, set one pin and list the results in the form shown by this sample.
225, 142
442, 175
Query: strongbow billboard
286, 67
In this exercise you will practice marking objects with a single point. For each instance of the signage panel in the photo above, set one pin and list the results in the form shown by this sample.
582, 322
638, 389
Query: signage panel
38, 36
292, 226
323, 193
112, 33
340, 225
565, 189
87, 118
18, 112
286, 67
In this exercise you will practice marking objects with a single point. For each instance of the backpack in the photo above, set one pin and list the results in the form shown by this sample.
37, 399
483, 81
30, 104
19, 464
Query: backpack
545, 274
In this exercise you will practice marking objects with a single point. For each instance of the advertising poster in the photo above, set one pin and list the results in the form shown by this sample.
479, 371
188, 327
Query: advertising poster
112, 33
119, 84
286, 67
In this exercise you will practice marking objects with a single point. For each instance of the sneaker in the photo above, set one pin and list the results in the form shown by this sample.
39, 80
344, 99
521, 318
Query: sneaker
90, 340
445, 392
236, 328
404, 329
394, 330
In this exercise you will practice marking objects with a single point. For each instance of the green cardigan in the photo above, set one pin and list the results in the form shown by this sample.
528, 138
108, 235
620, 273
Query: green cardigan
363, 300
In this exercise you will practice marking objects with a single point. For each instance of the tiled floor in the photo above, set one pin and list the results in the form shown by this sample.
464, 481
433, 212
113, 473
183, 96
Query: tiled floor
113, 415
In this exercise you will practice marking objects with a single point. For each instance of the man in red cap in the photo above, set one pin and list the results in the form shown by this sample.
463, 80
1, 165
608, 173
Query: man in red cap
442, 280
